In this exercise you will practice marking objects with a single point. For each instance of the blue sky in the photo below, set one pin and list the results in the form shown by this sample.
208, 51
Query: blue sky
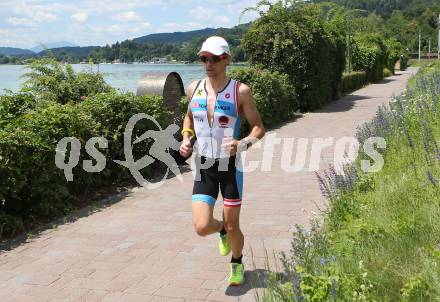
25, 23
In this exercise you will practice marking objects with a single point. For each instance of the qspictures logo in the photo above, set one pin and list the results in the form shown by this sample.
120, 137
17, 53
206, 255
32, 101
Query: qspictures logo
307, 153
160, 150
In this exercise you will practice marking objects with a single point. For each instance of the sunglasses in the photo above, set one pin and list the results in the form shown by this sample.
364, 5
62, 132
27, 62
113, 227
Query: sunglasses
212, 59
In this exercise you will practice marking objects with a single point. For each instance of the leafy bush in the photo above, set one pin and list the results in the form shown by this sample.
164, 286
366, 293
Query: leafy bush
46, 110
294, 40
31, 185
369, 55
352, 81
395, 52
50, 80
14, 105
111, 111
275, 97
387, 72
404, 62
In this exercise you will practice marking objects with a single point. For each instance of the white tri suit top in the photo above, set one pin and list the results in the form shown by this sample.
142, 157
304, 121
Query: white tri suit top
225, 123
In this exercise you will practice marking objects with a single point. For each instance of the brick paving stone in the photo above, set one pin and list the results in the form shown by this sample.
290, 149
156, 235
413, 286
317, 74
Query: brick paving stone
42, 279
187, 282
144, 247
210, 284
133, 298
95, 295
66, 292
221, 297
174, 292
166, 299
112, 297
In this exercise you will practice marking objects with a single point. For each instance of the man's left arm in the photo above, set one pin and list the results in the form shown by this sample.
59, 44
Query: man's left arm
249, 109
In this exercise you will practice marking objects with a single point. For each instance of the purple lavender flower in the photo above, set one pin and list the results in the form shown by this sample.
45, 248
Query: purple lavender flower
431, 178
333, 289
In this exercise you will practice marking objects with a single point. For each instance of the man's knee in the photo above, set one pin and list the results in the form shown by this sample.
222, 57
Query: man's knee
232, 226
201, 228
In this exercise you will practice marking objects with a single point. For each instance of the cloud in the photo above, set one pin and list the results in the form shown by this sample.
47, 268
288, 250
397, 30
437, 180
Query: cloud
201, 13
122, 31
20, 21
91, 22
112, 6
128, 17
35, 12
223, 20
4, 32
174, 27
80, 17
209, 17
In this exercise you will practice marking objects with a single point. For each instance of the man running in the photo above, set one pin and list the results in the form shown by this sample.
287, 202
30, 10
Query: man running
215, 105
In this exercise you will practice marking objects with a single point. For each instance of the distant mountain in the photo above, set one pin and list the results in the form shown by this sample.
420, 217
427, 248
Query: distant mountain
59, 44
181, 46
175, 37
76, 51
11, 51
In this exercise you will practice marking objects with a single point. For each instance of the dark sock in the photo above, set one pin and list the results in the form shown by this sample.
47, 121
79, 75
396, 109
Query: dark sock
238, 260
223, 231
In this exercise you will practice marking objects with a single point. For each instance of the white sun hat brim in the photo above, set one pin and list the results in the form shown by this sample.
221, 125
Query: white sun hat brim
215, 45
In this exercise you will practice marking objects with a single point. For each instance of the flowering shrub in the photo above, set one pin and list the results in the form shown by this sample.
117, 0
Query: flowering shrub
379, 240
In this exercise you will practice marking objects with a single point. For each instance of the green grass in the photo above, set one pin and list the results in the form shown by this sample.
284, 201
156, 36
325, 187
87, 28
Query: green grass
380, 240
416, 63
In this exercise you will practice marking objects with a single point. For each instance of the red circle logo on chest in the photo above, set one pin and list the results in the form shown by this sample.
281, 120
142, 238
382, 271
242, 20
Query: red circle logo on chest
223, 120
227, 95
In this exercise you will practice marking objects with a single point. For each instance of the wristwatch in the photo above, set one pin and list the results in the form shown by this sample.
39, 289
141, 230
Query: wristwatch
244, 144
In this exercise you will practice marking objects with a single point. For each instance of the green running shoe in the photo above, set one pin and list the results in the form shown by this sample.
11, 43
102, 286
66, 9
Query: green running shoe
223, 245
237, 274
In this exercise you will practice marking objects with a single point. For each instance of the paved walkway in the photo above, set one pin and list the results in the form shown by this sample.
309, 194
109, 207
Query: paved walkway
143, 248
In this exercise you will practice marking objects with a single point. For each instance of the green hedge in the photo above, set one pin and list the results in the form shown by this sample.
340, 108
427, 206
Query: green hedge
55, 103
369, 55
32, 187
49, 80
352, 81
395, 52
14, 105
275, 97
295, 40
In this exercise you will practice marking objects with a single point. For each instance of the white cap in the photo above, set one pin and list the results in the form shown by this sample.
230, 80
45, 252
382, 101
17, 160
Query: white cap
215, 45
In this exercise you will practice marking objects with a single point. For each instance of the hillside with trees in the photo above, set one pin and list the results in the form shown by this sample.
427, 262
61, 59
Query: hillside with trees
399, 19
178, 46
393, 19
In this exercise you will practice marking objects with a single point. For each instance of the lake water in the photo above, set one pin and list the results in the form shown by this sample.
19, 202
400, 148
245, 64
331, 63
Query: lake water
122, 76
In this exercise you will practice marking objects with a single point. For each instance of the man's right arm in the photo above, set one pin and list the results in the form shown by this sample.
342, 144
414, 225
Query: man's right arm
186, 148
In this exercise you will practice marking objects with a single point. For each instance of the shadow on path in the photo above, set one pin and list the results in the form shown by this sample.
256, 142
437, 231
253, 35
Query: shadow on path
10, 244
385, 81
254, 279
346, 103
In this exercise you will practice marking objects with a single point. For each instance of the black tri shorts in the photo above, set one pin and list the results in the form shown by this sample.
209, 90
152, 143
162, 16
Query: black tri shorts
224, 174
